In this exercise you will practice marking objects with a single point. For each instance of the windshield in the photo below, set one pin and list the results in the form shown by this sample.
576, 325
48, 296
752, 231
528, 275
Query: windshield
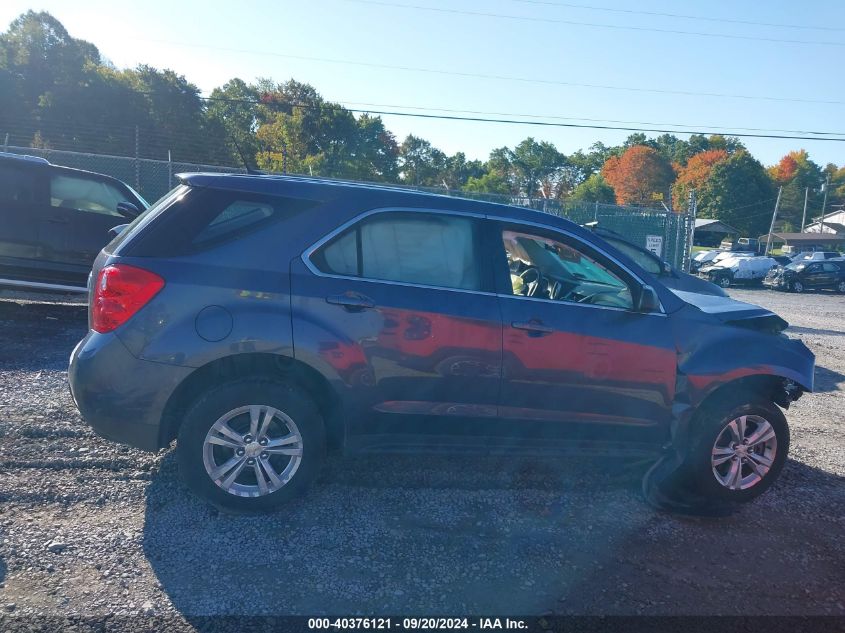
644, 259
796, 266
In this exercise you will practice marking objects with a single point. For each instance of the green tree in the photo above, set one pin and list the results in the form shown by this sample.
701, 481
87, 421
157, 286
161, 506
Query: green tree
490, 182
420, 163
594, 189
740, 193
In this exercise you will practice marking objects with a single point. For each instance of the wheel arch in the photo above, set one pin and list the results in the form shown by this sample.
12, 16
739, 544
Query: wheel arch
224, 369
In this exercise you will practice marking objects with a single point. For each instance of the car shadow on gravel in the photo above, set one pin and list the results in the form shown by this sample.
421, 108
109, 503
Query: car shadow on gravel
484, 536
827, 379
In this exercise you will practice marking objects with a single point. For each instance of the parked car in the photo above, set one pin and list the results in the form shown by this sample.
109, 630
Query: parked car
808, 275
738, 270
741, 244
703, 257
815, 256
266, 319
54, 220
782, 260
668, 274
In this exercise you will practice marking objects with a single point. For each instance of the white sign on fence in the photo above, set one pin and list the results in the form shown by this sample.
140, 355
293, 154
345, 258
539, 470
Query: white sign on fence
654, 243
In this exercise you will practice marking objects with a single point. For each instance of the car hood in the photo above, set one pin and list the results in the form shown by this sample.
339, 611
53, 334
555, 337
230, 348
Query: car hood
690, 283
733, 312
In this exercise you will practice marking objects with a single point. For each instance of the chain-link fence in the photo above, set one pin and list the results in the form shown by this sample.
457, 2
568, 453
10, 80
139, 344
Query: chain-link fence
667, 234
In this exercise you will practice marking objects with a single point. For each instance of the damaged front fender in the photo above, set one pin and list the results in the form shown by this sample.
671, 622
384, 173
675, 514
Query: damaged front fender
720, 356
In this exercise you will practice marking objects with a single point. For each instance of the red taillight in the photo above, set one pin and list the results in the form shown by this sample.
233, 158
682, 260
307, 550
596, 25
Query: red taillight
120, 292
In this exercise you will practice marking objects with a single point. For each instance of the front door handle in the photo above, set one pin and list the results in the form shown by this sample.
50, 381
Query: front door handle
352, 301
534, 328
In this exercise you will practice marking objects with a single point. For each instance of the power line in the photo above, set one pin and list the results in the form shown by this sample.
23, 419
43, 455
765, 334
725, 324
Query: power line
816, 136
453, 73
616, 27
702, 18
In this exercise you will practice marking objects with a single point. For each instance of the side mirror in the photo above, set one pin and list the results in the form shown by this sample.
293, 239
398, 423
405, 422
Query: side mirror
128, 210
666, 269
648, 301
117, 230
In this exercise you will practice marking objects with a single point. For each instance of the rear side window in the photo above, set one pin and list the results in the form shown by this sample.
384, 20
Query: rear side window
17, 185
428, 249
204, 218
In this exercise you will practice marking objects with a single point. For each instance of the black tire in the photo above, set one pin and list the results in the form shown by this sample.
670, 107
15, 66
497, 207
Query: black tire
709, 423
796, 286
724, 281
840, 287
208, 408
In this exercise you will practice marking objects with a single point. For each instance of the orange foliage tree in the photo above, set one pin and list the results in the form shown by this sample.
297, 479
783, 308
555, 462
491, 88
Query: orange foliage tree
641, 175
787, 167
695, 174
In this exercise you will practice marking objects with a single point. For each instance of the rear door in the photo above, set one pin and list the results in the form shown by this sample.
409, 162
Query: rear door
21, 191
579, 363
398, 310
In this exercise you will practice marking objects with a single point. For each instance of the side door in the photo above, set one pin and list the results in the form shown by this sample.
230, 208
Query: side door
398, 310
829, 276
21, 192
80, 212
814, 275
578, 359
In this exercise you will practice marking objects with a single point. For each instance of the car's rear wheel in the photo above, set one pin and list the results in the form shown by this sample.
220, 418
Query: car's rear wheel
739, 453
251, 444
796, 286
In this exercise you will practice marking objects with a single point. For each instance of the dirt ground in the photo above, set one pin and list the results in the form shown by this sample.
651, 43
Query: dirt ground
88, 527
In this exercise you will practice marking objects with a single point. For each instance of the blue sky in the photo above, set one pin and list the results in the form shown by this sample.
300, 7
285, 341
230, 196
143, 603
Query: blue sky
211, 42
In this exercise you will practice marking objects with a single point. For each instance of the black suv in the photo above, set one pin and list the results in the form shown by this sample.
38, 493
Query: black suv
261, 320
808, 275
54, 220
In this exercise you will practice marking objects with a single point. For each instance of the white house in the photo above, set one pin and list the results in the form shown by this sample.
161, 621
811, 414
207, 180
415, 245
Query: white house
834, 222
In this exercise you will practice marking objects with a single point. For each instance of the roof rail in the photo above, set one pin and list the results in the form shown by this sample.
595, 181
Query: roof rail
26, 157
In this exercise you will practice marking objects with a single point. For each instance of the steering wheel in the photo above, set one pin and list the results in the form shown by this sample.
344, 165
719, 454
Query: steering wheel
532, 278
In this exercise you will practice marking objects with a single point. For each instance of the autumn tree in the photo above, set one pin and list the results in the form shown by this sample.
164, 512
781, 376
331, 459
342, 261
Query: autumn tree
639, 176
797, 174
695, 174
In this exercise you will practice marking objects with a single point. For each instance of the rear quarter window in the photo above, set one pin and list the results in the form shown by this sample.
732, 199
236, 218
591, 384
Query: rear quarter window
205, 218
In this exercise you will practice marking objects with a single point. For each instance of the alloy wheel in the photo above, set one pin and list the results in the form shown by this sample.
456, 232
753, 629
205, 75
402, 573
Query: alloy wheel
797, 286
252, 451
841, 286
744, 452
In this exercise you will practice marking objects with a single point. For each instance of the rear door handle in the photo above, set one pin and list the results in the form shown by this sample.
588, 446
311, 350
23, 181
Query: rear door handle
352, 302
534, 328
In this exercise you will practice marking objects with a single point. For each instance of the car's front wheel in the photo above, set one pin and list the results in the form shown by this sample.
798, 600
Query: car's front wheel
739, 453
796, 286
251, 444
840, 287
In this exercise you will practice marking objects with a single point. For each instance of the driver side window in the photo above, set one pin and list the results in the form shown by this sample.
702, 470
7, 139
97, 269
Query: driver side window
545, 268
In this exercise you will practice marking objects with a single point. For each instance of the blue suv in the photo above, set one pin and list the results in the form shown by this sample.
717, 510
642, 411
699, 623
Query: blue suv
261, 321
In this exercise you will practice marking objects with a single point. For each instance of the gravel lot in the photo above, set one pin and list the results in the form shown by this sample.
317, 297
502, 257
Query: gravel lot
89, 527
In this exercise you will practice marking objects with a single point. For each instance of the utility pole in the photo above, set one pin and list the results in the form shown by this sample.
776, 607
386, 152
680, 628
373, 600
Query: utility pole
824, 202
774, 219
804, 217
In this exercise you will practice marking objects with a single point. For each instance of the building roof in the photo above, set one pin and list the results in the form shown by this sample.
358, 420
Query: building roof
805, 238
716, 226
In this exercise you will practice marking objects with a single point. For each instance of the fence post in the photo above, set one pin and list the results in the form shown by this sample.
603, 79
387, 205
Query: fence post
6, 143
137, 158
169, 171
689, 234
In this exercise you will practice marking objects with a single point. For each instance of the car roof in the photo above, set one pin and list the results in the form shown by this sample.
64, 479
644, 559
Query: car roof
381, 194
42, 163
